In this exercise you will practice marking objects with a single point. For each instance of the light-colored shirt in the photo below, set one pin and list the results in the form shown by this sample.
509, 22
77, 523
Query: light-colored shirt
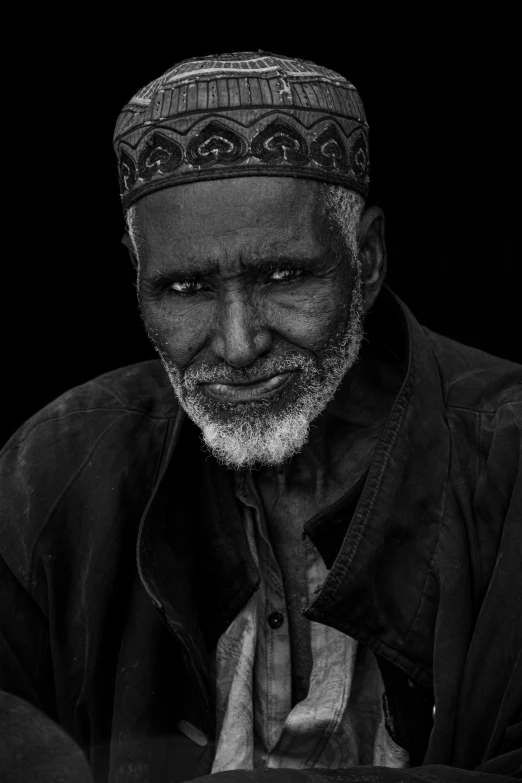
340, 723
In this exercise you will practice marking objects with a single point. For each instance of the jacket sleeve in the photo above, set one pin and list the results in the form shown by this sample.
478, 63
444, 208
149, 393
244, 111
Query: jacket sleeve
36, 466
491, 688
32, 747
31, 742
25, 655
25, 651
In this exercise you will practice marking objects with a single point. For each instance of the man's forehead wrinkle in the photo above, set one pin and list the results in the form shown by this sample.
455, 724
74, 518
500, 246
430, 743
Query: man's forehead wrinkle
234, 247
281, 227
285, 222
231, 265
246, 200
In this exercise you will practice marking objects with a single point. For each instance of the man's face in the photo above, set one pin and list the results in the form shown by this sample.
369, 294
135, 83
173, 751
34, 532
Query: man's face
254, 307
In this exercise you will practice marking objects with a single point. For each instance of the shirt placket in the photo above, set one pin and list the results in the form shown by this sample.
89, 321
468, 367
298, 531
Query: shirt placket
272, 673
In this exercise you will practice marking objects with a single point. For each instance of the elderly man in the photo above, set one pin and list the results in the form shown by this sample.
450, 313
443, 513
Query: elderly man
290, 550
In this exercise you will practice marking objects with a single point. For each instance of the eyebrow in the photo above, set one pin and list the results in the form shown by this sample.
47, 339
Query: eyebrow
211, 268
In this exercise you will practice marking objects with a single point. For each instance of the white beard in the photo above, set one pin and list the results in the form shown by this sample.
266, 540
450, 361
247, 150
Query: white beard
251, 434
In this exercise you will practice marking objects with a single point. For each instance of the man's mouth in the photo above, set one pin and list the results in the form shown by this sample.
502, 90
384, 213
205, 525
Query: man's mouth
263, 388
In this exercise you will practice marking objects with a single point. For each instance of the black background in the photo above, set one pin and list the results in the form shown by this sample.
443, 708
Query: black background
444, 132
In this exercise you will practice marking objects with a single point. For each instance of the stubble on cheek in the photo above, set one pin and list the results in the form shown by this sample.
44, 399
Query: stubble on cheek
316, 324
177, 333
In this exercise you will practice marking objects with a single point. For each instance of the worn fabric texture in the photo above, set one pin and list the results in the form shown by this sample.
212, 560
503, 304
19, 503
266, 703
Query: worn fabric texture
123, 559
340, 723
238, 115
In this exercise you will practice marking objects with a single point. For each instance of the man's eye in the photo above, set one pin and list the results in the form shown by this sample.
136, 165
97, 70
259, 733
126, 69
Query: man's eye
185, 287
284, 273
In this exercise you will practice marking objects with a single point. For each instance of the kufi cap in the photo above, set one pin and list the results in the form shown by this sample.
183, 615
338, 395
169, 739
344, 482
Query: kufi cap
242, 114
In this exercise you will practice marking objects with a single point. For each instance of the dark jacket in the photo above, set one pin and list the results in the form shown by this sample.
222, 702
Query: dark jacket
123, 559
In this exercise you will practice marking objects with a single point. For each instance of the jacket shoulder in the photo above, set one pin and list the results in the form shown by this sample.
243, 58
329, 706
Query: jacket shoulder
106, 427
472, 378
143, 387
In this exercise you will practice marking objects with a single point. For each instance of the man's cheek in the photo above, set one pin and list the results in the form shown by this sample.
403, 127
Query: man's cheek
180, 334
312, 324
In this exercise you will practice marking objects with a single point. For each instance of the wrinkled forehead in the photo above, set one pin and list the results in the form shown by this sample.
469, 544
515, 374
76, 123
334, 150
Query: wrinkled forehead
254, 215
258, 199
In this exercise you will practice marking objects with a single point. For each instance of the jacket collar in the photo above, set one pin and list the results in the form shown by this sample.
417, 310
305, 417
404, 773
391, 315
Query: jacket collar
380, 589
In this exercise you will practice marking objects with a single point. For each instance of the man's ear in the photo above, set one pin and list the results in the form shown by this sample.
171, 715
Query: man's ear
372, 250
127, 241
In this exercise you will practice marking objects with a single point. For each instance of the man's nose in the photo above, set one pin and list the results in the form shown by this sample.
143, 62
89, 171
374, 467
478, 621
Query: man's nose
241, 335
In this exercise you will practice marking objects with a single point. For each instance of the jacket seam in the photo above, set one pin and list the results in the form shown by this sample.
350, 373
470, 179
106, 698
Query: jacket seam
473, 540
109, 390
61, 496
515, 413
487, 411
480, 467
12, 444
160, 473
394, 424
24, 585
430, 571
121, 399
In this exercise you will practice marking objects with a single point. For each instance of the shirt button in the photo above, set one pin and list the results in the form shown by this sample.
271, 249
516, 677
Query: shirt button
275, 620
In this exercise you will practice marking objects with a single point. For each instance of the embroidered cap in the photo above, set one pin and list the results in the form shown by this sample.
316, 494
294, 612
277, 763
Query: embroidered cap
242, 114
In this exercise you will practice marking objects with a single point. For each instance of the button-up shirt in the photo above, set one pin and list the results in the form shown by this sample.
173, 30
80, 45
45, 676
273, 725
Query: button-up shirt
340, 723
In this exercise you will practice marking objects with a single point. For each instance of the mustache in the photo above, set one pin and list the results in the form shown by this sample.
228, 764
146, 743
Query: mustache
275, 366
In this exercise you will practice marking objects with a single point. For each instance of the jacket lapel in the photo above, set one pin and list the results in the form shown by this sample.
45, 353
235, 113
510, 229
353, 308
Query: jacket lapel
380, 589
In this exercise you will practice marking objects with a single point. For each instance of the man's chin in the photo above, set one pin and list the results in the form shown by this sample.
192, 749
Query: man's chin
250, 434
244, 448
